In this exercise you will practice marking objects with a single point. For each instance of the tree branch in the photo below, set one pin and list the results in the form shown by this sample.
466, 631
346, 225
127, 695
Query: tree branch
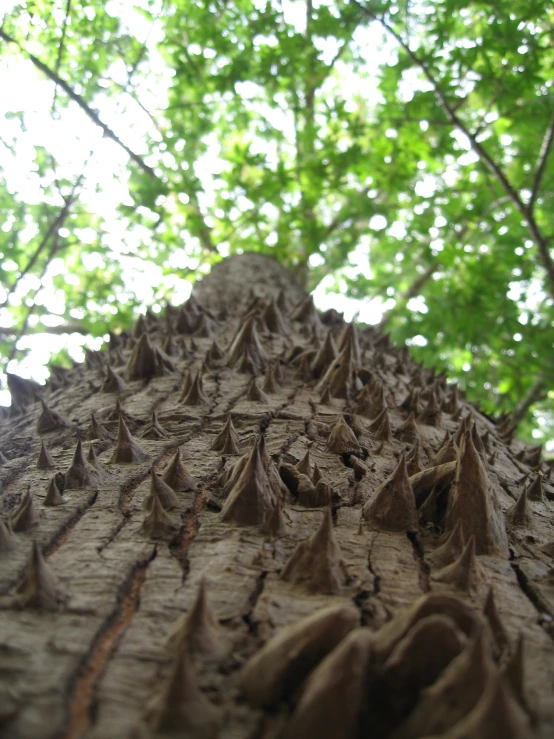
60, 53
546, 147
82, 103
53, 229
413, 291
64, 328
540, 240
536, 392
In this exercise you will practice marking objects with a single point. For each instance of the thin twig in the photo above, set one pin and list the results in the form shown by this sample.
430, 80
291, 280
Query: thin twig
546, 147
94, 117
60, 53
538, 237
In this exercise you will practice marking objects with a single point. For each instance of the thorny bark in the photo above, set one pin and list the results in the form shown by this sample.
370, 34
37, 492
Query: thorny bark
97, 659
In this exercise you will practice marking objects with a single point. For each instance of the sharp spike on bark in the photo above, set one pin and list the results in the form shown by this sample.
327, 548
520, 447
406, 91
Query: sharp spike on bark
431, 414
316, 474
147, 361
414, 460
215, 352
472, 500
533, 457
453, 695
378, 401
325, 356
53, 497
45, 460
78, 474
198, 630
377, 452
25, 515
96, 430
462, 573
6, 537
140, 327
304, 372
351, 340
535, 491
182, 706
463, 428
196, 395
270, 384
306, 313
120, 413
39, 588
392, 507
154, 430
127, 450
342, 439
422, 654
315, 496
514, 673
326, 397
447, 453
497, 713
247, 365
412, 403
305, 466
162, 491
339, 376
177, 475
247, 340
274, 320
280, 666
254, 394
3, 459
205, 328
49, 420
169, 346
452, 404
364, 404
186, 386
322, 710
23, 391
450, 550
520, 514
251, 499
275, 524
113, 382
158, 524
227, 441
380, 428
316, 563
497, 629
408, 431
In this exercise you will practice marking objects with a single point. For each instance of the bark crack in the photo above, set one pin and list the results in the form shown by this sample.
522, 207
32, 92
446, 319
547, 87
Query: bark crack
82, 691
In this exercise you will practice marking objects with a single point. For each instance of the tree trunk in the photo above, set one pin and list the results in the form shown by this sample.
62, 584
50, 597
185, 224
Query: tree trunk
290, 578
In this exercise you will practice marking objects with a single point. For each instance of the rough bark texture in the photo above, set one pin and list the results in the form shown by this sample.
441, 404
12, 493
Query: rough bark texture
342, 548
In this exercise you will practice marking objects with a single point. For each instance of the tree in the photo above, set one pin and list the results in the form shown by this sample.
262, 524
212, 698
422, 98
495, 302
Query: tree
339, 542
401, 149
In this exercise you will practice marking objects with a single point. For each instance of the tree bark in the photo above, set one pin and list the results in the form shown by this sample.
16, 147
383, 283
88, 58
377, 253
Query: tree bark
91, 590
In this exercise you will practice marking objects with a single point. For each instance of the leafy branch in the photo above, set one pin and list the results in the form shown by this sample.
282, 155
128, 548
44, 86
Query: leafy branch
82, 103
526, 210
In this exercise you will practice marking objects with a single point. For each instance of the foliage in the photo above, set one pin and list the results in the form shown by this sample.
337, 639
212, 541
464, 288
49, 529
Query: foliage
414, 136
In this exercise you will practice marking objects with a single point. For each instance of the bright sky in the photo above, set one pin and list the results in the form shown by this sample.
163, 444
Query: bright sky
76, 143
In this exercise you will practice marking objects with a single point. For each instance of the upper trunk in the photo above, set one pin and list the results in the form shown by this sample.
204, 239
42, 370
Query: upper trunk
309, 470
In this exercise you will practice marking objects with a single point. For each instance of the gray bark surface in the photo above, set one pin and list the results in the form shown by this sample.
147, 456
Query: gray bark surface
121, 616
